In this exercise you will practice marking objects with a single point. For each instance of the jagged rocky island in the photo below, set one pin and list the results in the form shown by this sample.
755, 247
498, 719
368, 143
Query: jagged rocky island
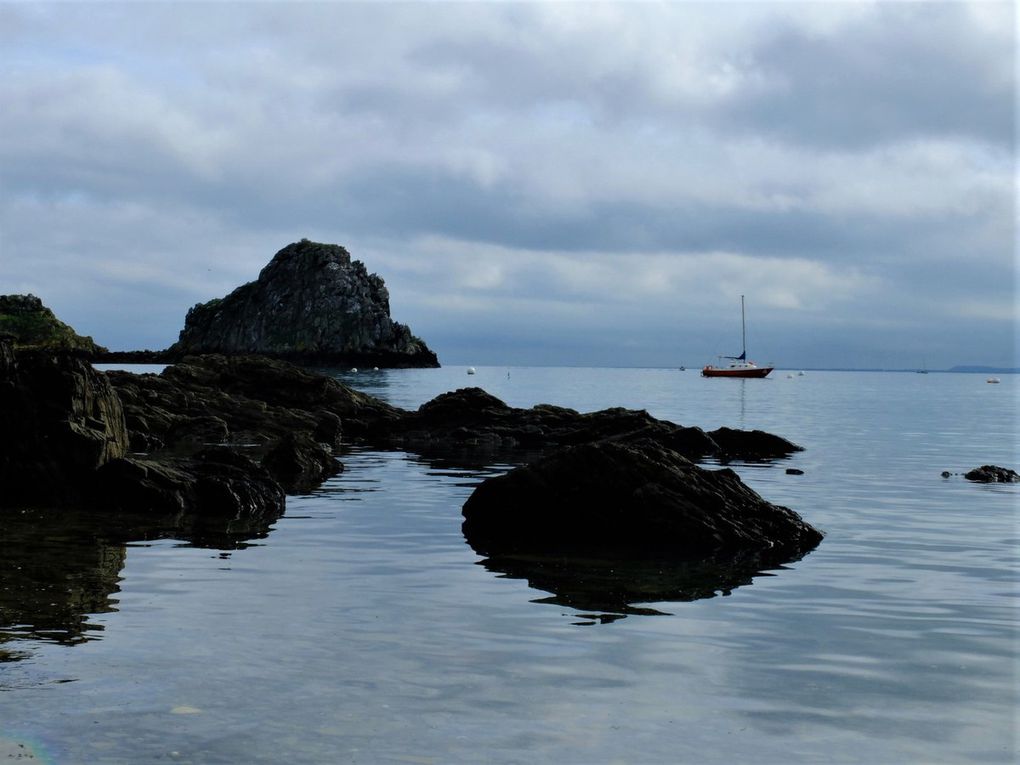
312, 304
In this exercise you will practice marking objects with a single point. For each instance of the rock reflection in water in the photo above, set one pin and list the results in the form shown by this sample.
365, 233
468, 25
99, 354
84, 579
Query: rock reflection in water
610, 586
55, 570
58, 568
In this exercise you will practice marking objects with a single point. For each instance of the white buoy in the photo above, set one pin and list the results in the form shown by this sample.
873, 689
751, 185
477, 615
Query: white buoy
375, 369
471, 370
993, 379
354, 369
789, 377
800, 374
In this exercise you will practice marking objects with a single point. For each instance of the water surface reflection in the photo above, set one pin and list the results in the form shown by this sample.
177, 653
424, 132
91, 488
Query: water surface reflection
60, 567
614, 585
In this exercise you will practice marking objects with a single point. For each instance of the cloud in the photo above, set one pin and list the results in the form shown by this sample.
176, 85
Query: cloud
545, 169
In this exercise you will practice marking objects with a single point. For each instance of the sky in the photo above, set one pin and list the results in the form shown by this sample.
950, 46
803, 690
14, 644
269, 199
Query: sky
537, 183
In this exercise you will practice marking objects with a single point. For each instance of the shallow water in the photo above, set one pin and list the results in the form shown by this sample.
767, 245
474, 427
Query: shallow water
362, 628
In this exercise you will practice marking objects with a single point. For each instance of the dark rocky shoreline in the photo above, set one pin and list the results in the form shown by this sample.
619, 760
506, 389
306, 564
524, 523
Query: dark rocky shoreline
226, 437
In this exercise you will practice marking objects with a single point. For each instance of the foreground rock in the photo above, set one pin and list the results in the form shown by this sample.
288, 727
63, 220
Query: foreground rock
311, 304
31, 325
472, 418
639, 497
60, 421
216, 483
992, 474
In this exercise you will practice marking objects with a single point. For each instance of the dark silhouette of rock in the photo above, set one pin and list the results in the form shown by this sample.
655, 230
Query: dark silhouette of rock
216, 482
992, 474
300, 463
32, 325
471, 417
60, 420
635, 496
241, 399
312, 304
751, 444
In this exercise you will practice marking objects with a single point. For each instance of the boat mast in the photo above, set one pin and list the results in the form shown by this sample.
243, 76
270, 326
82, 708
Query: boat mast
743, 330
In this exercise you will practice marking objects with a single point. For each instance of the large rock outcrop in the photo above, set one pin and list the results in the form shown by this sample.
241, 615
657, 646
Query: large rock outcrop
635, 497
311, 304
30, 324
60, 420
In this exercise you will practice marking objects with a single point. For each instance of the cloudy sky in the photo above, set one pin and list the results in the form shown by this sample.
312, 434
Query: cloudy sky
562, 183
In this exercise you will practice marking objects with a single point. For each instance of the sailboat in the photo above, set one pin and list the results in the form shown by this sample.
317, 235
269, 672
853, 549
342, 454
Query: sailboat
739, 366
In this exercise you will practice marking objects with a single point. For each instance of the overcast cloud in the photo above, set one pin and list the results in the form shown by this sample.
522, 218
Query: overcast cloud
537, 183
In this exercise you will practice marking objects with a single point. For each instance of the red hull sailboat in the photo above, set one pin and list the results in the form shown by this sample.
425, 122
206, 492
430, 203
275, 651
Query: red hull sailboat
739, 366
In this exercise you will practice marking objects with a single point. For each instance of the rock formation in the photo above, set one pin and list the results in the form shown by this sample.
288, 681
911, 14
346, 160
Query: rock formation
30, 324
992, 474
470, 418
60, 420
311, 304
213, 483
240, 399
639, 497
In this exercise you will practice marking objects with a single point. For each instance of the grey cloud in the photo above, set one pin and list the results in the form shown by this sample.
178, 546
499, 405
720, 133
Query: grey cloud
228, 131
906, 70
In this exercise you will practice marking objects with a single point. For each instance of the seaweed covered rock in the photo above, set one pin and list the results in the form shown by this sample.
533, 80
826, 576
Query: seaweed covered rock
31, 324
636, 496
312, 304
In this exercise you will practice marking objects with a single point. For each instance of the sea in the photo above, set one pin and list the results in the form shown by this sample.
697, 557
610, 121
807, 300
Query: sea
362, 628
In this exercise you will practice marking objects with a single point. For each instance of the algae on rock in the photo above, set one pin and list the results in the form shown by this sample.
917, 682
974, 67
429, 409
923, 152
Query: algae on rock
32, 325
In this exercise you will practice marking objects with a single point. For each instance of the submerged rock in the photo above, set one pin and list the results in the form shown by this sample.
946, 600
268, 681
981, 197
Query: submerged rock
639, 497
992, 474
313, 304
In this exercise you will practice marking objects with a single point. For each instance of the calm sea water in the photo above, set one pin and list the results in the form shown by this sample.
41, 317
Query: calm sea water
363, 629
